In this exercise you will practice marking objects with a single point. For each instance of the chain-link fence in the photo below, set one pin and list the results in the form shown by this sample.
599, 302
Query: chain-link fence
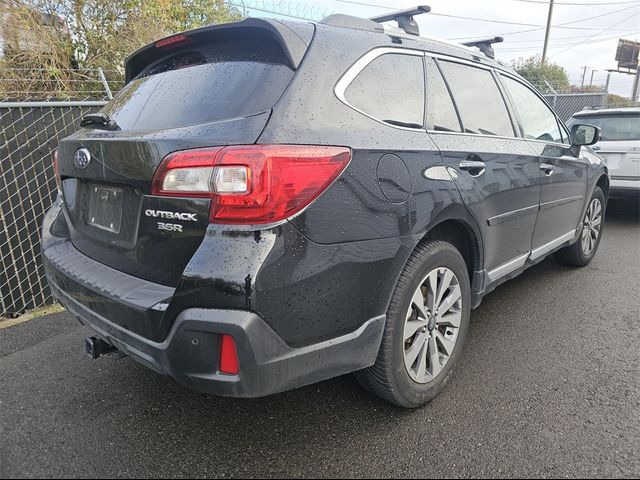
28, 84
29, 132
567, 102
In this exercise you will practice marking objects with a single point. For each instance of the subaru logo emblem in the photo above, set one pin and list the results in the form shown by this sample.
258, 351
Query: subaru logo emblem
82, 158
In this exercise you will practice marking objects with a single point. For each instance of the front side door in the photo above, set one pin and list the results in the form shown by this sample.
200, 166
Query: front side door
563, 176
496, 173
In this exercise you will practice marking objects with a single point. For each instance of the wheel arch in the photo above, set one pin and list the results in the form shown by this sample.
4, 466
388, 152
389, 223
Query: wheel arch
603, 182
460, 229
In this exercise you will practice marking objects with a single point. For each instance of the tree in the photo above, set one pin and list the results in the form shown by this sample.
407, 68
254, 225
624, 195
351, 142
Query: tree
619, 101
54, 37
545, 76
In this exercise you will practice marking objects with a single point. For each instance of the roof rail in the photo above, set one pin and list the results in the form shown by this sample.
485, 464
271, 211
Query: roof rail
405, 19
407, 23
485, 45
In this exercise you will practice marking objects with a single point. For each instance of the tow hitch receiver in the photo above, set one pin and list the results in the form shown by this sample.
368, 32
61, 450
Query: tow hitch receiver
97, 347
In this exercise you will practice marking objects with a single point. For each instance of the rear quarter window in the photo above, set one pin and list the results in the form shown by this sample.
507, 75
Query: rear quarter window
391, 90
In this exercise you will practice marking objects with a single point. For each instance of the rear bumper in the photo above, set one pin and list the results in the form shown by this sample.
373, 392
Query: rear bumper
111, 303
267, 365
624, 185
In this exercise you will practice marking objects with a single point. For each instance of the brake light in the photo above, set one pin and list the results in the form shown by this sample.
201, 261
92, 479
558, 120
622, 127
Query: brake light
229, 364
252, 184
56, 171
173, 41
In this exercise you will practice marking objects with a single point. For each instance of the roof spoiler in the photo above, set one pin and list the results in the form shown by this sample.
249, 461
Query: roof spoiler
485, 45
294, 43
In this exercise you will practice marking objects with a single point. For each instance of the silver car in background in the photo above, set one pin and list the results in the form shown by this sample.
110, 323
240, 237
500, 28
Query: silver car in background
619, 144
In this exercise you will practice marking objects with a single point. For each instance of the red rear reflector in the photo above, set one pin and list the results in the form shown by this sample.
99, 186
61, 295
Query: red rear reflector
252, 184
229, 364
173, 41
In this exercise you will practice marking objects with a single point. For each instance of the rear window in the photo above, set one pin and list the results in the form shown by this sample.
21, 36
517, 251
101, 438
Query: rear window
613, 127
208, 84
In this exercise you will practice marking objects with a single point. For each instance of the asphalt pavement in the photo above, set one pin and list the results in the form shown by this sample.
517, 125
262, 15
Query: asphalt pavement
549, 386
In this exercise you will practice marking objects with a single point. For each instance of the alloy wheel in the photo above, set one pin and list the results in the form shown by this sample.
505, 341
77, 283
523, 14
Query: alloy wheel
432, 325
592, 226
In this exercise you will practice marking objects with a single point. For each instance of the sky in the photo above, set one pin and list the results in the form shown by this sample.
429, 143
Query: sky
585, 32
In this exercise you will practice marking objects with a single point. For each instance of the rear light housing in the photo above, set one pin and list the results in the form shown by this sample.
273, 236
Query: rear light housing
254, 184
173, 41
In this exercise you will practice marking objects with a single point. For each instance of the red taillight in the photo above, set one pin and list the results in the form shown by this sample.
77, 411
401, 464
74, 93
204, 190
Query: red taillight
173, 41
253, 184
56, 172
229, 364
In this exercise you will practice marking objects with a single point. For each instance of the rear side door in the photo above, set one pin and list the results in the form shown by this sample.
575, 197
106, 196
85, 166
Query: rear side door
496, 172
564, 176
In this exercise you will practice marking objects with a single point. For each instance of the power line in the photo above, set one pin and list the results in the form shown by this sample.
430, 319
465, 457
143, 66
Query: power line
571, 4
563, 25
502, 22
585, 42
607, 29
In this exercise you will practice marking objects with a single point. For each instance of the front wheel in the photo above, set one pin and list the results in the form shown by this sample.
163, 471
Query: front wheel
427, 323
582, 252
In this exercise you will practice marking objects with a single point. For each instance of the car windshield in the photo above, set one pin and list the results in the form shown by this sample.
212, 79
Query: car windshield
614, 127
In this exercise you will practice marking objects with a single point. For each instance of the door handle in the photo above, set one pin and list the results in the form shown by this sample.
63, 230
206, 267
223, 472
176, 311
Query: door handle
547, 168
475, 168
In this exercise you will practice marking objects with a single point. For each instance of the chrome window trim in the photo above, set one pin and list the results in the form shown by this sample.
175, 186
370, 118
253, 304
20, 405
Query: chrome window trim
362, 63
475, 135
449, 58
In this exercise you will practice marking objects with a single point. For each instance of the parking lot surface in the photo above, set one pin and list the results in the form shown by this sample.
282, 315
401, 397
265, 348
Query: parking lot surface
549, 386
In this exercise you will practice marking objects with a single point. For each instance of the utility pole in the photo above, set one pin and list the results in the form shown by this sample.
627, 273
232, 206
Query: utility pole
584, 74
606, 85
636, 86
591, 82
547, 32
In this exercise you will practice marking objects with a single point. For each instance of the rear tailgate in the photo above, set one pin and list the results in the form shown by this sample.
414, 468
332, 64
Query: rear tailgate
215, 88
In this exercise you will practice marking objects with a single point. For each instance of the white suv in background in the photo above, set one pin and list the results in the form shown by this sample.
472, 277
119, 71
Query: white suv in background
619, 144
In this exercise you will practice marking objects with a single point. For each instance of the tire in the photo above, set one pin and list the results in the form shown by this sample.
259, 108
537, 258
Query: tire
395, 377
578, 255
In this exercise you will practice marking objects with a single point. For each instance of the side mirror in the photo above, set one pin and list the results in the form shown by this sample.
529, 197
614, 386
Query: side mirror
584, 135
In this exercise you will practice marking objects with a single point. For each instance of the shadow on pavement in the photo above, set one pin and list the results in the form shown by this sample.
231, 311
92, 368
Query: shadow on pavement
624, 210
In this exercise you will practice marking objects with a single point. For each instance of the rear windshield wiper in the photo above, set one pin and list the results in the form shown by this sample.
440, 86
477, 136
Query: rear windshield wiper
99, 120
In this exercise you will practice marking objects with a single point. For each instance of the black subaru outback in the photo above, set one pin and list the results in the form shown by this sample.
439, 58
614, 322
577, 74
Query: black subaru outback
269, 204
